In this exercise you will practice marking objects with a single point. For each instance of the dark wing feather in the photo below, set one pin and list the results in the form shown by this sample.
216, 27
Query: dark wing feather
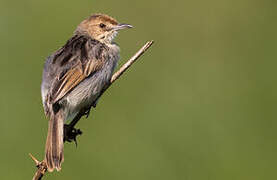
77, 60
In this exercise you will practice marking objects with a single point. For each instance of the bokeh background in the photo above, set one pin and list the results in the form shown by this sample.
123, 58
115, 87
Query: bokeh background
199, 105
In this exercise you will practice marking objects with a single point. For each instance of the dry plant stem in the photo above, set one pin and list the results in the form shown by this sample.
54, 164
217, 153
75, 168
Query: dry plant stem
123, 68
133, 59
41, 166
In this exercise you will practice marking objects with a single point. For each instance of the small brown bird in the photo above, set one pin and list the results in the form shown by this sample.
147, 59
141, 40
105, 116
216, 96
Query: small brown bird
75, 75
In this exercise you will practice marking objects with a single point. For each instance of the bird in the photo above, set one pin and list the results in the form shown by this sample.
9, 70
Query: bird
74, 76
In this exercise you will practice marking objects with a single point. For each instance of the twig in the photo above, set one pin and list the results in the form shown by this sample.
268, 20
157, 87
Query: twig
42, 167
130, 61
123, 68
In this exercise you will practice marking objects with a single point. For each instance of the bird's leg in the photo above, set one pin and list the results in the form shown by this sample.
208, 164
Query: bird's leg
70, 133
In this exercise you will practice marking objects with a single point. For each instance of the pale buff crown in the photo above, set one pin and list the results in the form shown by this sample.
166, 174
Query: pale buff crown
100, 27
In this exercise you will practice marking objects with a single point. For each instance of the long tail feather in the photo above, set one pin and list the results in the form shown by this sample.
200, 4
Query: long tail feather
54, 143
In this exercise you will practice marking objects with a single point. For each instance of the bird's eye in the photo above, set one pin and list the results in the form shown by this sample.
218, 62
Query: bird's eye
102, 25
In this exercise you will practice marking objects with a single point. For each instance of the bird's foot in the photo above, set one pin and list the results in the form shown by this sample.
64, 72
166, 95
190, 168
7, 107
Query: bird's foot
70, 133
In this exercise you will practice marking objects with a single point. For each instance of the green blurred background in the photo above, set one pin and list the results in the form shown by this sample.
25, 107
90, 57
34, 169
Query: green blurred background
199, 105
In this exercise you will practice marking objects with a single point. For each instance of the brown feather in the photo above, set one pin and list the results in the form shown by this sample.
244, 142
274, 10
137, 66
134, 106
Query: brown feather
54, 143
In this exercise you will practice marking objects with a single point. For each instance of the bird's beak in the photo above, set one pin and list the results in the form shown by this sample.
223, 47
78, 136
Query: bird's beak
122, 26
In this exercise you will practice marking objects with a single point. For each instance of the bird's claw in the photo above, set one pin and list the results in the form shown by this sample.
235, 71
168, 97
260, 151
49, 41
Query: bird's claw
70, 134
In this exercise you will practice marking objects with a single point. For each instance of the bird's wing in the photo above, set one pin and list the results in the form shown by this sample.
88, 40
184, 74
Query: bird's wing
76, 64
72, 77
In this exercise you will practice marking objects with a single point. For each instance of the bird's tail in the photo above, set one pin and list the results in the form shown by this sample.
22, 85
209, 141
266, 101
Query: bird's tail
54, 143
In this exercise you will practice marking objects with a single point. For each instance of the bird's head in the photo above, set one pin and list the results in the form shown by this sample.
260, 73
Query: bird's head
101, 27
